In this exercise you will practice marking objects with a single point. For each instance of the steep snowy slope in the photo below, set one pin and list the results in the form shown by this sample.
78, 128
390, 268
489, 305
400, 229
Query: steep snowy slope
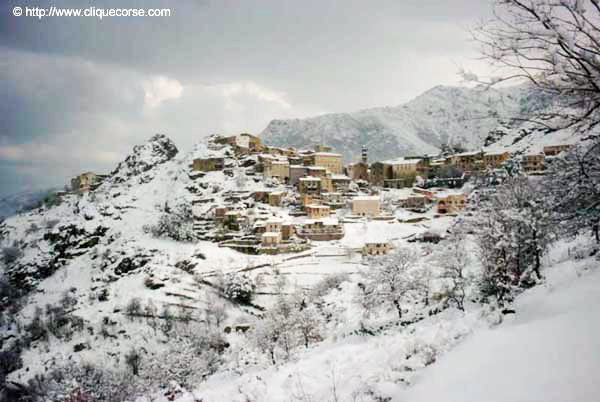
442, 115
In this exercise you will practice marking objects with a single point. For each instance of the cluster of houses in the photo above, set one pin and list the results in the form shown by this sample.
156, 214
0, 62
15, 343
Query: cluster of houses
311, 185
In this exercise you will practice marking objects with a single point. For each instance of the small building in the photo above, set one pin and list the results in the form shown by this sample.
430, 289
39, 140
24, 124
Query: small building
275, 198
296, 172
316, 171
270, 239
84, 182
325, 229
333, 200
552, 150
377, 247
467, 161
533, 163
402, 172
307, 199
366, 206
330, 161
340, 182
309, 185
327, 183
358, 171
451, 203
315, 211
495, 159
220, 212
253, 143
287, 230
413, 201
273, 224
208, 164
279, 169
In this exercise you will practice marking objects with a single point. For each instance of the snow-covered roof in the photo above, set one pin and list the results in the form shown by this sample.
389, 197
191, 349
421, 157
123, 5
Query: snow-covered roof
470, 153
309, 179
495, 153
327, 154
366, 198
317, 206
402, 161
339, 177
271, 234
316, 168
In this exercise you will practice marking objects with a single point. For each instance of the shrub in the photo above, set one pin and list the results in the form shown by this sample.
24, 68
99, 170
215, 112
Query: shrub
176, 224
11, 254
134, 307
239, 288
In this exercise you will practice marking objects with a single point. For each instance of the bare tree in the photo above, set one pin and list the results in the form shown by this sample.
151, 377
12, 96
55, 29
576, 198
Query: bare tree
389, 280
555, 45
453, 259
573, 188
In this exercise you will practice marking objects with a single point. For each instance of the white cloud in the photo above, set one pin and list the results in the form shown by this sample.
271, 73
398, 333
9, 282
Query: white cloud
159, 89
235, 90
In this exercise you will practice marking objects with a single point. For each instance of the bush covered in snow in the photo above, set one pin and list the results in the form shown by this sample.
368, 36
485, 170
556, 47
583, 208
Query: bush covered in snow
176, 223
239, 288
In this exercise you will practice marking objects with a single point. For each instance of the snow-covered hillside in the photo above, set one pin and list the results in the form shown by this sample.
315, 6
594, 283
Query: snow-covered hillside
442, 115
545, 351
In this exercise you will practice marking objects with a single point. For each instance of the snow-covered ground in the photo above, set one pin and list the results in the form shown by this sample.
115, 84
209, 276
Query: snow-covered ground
547, 351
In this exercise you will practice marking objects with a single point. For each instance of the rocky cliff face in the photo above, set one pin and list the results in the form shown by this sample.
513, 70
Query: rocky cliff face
157, 150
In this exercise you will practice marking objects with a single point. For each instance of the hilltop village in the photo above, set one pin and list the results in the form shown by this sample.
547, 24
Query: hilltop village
283, 199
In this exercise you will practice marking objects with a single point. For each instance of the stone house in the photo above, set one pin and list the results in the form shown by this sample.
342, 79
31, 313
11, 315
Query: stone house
451, 203
315, 211
84, 182
467, 161
366, 206
325, 229
533, 162
552, 150
270, 239
327, 183
402, 172
334, 200
330, 161
296, 172
495, 159
278, 169
309, 185
275, 198
273, 224
377, 247
208, 164
340, 182
413, 201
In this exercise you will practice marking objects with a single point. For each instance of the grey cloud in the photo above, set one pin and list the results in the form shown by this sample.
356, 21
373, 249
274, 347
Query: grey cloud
80, 84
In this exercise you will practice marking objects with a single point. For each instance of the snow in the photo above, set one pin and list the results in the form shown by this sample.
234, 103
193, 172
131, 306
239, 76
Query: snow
547, 352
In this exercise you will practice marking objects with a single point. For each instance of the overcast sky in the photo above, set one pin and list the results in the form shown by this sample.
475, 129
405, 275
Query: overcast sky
79, 92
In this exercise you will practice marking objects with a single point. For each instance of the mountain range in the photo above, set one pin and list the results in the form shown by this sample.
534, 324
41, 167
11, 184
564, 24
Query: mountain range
442, 115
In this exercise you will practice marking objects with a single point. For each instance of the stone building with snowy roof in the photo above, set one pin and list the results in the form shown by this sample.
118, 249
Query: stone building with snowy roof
366, 205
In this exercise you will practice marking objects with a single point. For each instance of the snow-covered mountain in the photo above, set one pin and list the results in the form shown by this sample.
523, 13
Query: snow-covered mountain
443, 115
